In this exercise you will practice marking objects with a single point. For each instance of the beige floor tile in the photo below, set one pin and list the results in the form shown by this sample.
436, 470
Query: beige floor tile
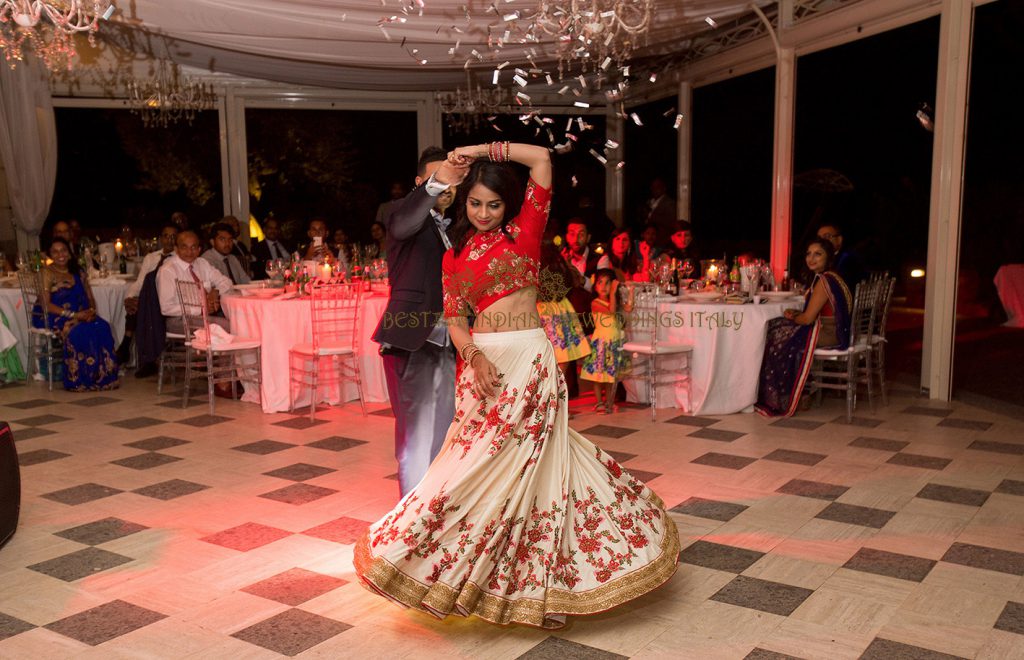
802, 639
957, 606
844, 612
791, 570
713, 629
825, 541
1002, 645
918, 535
888, 591
936, 634
41, 643
976, 580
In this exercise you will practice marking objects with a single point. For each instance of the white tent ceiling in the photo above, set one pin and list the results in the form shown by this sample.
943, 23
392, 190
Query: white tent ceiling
342, 44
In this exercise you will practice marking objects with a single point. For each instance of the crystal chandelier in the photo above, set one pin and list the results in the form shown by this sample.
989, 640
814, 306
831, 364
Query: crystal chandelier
595, 33
22, 26
169, 96
466, 108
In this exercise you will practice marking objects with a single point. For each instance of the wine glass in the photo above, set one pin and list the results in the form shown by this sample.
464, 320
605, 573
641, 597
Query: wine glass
272, 268
688, 268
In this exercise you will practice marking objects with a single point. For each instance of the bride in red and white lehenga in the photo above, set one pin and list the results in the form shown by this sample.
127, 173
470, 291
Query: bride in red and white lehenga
519, 519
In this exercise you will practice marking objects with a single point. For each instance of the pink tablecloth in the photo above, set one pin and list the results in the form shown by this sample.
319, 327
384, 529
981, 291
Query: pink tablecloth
1010, 285
280, 324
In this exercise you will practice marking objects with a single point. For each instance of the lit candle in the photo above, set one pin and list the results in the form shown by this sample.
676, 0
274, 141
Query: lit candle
712, 272
326, 272
118, 247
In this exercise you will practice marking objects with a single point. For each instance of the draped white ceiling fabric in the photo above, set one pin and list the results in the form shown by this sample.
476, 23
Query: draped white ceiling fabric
354, 44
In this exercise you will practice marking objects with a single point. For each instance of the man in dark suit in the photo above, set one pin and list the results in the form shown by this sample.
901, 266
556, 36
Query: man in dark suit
271, 247
418, 355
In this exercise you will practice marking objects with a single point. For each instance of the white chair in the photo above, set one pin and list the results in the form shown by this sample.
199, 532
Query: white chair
642, 341
335, 321
878, 341
175, 355
43, 342
222, 363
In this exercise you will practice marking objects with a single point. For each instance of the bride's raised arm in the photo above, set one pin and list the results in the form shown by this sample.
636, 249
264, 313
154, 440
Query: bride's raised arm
536, 158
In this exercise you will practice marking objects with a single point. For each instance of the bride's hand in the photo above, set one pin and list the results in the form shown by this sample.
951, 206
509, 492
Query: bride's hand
486, 379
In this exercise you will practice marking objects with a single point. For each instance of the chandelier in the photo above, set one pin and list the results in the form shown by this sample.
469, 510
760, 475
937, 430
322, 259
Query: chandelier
169, 96
595, 33
22, 26
467, 108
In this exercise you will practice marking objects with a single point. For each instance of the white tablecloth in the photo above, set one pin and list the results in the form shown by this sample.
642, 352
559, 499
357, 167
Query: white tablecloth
1010, 285
728, 343
280, 324
109, 297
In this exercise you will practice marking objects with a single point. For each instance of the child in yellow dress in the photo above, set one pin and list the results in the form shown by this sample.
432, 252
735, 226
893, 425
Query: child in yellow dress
607, 360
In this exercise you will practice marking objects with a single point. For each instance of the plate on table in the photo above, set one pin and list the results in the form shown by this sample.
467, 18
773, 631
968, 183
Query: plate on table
777, 295
250, 285
268, 292
704, 296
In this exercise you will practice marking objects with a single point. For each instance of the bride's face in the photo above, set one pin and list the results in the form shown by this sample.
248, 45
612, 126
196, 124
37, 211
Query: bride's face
484, 208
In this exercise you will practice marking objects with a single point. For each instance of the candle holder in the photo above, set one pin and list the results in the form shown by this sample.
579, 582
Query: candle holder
712, 269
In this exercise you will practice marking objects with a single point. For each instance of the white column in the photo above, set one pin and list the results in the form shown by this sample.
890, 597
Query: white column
782, 170
614, 188
684, 151
946, 197
234, 158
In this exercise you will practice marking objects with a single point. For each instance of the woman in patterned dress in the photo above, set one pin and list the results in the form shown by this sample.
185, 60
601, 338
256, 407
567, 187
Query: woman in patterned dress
519, 519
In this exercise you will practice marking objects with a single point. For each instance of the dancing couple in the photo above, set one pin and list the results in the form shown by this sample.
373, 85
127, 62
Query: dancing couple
518, 519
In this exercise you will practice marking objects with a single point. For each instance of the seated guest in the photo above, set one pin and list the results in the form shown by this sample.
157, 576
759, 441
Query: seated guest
239, 248
152, 261
271, 247
89, 360
621, 257
222, 238
379, 248
186, 266
62, 230
682, 243
317, 248
848, 263
791, 340
583, 262
341, 245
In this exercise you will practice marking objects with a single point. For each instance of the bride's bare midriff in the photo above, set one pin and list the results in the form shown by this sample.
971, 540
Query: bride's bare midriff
516, 311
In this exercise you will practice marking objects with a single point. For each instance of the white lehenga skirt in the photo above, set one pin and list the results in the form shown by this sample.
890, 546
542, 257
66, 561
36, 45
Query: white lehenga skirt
519, 519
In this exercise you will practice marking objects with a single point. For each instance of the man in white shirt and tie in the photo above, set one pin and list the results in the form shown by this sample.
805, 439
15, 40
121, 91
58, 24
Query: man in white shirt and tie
220, 255
186, 266
271, 247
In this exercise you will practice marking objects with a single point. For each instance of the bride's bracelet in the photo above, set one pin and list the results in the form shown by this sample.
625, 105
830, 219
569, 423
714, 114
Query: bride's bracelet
468, 352
499, 152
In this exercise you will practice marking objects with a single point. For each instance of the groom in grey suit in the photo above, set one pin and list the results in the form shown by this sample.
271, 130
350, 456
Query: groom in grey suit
418, 355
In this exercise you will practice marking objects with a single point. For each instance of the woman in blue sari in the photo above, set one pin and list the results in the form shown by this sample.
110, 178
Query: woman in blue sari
789, 346
89, 361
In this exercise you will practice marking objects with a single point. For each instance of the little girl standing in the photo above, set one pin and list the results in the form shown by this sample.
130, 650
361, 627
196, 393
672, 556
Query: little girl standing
607, 361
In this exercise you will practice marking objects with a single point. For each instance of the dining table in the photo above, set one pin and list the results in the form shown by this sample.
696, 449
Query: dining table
280, 323
1009, 281
108, 292
728, 345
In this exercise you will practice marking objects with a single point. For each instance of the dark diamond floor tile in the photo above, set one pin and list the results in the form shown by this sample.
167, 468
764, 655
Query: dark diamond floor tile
762, 595
81, 494
104, 623
795, 457
246, 537
881, 444
719, 557
799, 424
298, 494
620, 456
147, 461
710, 509
815, 489
556, 648
643, 475
40, 456
175, 404
728, 461
93, 401
884, 649
336, 443
156, 443
1011, 620
997, 447
992, 559
100, 531
28, 404
300, 423
890, 564
1011, 487
202, 421
264, 447
41, 420
954, 495
31, 434
138, 423
687, 420
969, 424
80, 564
169, 490
10, 626
865, 422
765, 654
299, 472
384, 412
719, 435
343, 530
291, 632
294, 586
919, 461
856, 515
606, 431
927, 412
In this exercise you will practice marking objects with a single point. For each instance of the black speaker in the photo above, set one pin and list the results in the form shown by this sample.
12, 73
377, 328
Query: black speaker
10, 484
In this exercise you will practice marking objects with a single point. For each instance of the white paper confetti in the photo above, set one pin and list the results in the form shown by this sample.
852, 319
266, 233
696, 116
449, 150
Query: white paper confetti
611, 144
519, 80
710, 21
678, 122
636, 119
581, 104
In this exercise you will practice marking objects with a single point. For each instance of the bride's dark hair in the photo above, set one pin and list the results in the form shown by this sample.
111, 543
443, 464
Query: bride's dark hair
499, 179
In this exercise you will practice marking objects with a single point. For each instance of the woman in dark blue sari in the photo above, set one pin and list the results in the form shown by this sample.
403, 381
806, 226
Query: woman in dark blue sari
89, 361
789, 346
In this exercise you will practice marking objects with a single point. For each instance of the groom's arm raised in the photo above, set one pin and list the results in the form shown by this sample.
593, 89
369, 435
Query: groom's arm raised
408, 216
